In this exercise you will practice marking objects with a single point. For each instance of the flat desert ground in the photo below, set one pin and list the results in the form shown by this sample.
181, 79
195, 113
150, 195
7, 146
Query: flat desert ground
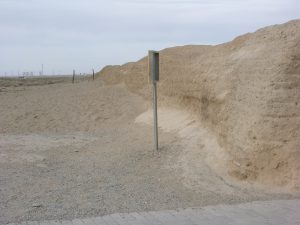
86, 149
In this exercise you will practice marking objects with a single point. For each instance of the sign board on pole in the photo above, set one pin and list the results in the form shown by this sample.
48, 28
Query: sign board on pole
154, 65
154, 76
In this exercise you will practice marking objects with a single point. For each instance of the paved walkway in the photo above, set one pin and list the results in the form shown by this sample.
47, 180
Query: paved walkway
277, 212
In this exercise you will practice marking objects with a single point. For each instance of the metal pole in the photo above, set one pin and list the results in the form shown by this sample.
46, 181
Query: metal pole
155, 116
73, 76
153, 63
93, 74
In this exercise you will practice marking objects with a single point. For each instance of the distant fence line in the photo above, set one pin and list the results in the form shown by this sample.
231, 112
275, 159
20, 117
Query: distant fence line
24, 75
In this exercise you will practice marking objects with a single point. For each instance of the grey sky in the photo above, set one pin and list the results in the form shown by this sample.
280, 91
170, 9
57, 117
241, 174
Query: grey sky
85, 34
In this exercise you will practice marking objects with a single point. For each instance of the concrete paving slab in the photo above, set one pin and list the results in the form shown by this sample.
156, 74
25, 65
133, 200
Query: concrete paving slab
276, 212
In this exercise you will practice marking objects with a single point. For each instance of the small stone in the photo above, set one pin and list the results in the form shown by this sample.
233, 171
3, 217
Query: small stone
36, 205
236, 163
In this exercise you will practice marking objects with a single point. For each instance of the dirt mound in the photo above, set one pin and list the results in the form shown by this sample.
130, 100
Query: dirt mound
246, 92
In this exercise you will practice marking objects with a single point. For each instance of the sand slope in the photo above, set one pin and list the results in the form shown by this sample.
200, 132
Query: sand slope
246, 92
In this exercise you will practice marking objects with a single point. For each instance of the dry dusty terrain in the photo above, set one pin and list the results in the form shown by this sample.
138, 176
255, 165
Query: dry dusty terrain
229, 132
81, 150
245, 92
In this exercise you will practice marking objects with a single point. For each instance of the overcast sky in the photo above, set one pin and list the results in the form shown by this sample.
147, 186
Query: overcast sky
86, 34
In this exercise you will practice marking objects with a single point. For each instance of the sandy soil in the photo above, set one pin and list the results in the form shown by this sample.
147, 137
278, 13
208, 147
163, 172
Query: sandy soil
86, 149
246, 92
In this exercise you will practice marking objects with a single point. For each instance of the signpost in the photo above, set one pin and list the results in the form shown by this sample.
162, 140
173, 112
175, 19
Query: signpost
73, 76
153, 64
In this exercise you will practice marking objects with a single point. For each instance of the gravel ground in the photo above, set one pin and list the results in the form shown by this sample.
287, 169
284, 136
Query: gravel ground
76, 172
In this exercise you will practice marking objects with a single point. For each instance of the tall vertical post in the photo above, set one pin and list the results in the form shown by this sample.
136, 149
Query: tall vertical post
153, 57
93, 74
73, 76
155, 116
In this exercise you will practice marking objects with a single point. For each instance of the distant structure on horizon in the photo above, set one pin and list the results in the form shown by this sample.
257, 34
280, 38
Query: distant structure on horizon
28, 73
